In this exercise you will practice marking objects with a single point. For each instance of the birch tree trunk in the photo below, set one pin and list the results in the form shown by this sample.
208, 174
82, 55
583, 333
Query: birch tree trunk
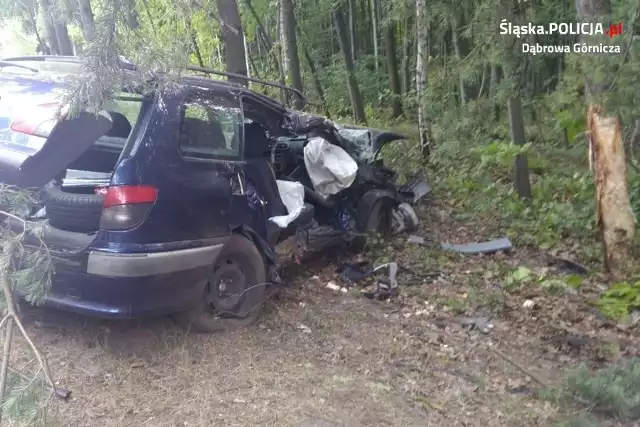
374, 29
284, 61
424, 124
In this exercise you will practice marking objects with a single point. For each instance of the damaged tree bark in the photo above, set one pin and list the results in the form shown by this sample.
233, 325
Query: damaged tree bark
614, 215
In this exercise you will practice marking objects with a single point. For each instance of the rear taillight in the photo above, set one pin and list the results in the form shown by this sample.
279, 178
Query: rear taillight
126, 206
41, 121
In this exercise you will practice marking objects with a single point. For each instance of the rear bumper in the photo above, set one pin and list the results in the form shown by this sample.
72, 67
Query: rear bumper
132, 285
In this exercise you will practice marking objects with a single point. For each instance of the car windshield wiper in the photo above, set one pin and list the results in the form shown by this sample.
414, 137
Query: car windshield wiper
13, 64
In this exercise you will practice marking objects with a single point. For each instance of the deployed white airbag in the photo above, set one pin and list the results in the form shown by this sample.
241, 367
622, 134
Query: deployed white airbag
330, 167
292, 195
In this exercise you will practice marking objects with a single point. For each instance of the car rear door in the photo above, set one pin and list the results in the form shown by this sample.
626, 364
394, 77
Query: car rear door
210, 173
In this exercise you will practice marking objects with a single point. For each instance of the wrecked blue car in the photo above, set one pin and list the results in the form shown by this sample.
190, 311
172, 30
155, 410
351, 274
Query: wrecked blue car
173, 201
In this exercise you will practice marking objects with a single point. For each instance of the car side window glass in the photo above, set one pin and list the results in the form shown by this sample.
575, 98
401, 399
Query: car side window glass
210, 130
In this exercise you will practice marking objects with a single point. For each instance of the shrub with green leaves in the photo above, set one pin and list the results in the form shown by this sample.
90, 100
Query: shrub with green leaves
620, 300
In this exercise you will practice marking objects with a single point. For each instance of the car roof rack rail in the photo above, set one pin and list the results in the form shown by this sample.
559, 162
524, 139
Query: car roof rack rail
122, 61
128, 65
205, 70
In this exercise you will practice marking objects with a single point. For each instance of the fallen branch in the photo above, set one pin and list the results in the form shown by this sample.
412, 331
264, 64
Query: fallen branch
518, 367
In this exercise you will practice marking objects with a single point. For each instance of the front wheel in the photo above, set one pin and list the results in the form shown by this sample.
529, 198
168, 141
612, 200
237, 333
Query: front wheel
235, 292
378, 222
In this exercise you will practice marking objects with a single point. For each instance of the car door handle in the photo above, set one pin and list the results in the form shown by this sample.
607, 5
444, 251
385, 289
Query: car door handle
237, 185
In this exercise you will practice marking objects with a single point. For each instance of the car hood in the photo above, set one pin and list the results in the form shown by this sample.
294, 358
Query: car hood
36, 141
366, 142
362, 143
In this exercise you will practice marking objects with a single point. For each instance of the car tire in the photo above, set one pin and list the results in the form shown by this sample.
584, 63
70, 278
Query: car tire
379, 221
73, 211
241, 260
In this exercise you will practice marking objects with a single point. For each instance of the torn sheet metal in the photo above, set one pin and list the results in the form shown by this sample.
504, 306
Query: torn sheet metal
418, 187
491, 246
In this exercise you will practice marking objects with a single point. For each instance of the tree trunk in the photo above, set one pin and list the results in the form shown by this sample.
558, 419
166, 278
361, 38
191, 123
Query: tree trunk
269, 46
522, 182
614, 215
353, 33
317, 83
131, 14
424, 123
374, 30
194, 43
284, 61
62, 36
392, 69
406, 55
233, 39
247, 60
86, 17
352, 82
456, 47
291, 49
49, 29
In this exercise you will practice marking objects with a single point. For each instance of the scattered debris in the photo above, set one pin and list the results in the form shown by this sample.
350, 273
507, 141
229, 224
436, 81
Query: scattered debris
503, 244
355, 272
418, 187
304, 328
529, 304
567, 265
336, 288
491, 246
483, 324
417, 240
385, 288
523, 390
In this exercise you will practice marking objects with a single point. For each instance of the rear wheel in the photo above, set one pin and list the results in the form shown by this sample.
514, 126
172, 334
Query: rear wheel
235, 292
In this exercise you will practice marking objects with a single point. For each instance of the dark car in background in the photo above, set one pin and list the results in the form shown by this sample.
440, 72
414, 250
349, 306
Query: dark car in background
160, 203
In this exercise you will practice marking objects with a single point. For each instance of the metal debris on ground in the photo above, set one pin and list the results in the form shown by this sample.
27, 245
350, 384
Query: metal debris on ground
418, 187
491, 246
385, 288
483, 324
355, 272
567, 265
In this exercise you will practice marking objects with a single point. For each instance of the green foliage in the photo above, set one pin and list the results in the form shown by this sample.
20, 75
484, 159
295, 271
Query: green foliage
24, 399
613, 390
620, 299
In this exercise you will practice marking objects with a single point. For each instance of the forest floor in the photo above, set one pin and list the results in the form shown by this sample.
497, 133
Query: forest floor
317, 357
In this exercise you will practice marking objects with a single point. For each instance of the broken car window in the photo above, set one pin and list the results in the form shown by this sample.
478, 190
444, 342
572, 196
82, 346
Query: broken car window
210, 131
